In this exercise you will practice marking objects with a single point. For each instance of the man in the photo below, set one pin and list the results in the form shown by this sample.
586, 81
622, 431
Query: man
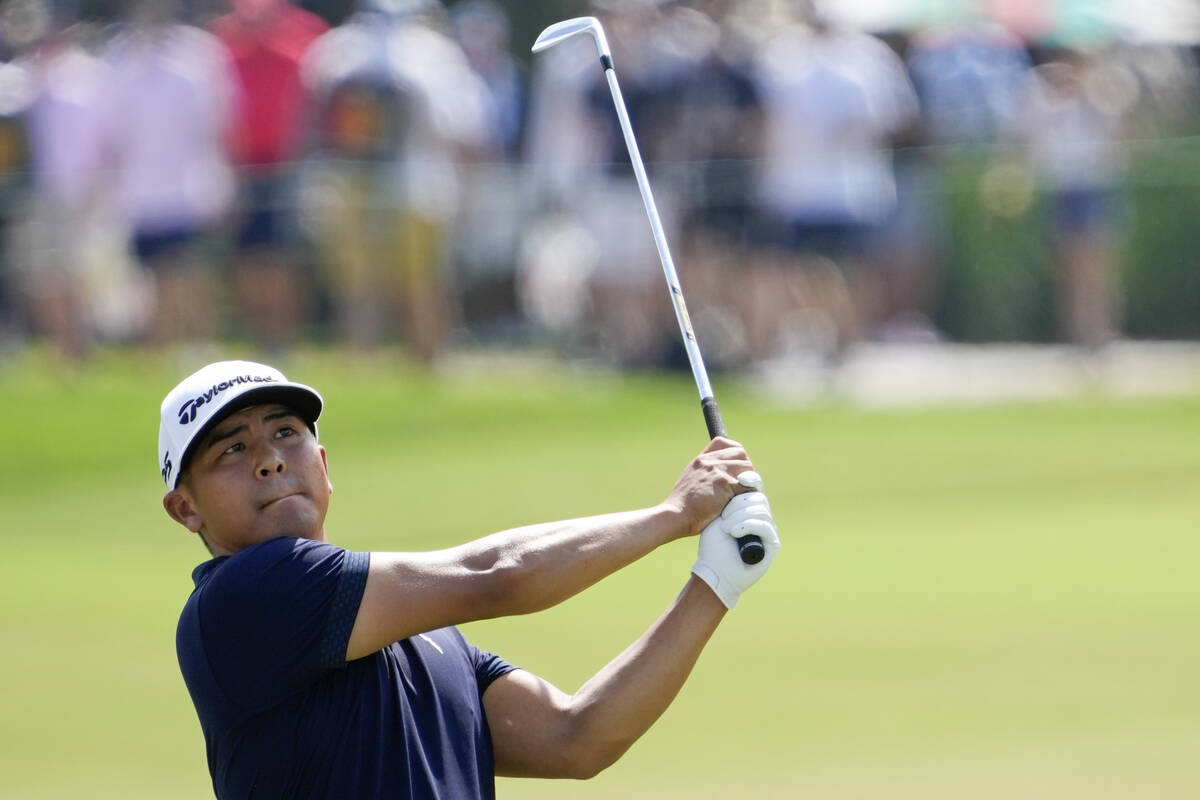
169, 97
398, 110
322, 672
267, 40
834, 99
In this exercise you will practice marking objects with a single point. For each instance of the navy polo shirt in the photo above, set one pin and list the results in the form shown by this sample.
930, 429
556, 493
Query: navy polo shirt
262, 646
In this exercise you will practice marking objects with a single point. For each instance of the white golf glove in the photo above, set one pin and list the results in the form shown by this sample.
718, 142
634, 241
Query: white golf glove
719, 563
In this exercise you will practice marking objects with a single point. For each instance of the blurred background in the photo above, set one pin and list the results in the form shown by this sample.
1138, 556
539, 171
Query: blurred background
174, 174
941, 256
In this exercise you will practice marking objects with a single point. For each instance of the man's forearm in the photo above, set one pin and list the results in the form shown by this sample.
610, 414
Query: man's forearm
542, 565
620, 703
539, 731
513, 572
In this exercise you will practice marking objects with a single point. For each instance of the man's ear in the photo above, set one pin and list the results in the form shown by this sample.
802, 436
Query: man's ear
325, 463
180, 508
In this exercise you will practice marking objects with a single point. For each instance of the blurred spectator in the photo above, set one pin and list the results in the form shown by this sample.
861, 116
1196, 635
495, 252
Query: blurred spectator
16, 88
170, 107
65, 131
491, 209
566, 138
481, 29
718, 135
971, 79
399, 107
76, 280
718, 128
832, 98
563, 147
1072, 124
1168, 83
586, 186
651, 51
268, 39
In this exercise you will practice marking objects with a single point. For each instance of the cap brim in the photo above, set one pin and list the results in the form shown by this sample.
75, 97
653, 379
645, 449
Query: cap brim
306, 402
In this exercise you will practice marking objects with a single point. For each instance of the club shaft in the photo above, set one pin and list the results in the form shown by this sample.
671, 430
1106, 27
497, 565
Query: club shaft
750, 547
660, 242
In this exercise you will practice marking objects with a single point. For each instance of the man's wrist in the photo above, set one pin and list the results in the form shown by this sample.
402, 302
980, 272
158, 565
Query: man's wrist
717, 585
673, 520
697, 591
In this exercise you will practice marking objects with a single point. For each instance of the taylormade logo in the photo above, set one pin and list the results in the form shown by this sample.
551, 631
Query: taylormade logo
187, 411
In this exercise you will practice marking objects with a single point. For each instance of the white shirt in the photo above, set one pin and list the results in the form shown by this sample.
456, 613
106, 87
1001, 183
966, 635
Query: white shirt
169, 111
66, 120
830, 102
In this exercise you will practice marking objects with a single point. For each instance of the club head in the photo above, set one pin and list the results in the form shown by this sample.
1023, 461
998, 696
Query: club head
572, 27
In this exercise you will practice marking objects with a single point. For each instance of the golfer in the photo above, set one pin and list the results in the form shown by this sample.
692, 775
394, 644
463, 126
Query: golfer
321, 672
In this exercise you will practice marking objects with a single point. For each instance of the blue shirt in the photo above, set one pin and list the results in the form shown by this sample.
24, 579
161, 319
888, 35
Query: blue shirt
262, 647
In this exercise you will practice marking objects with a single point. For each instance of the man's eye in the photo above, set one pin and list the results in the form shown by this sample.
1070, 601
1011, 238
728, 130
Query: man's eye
234, 448
285, 431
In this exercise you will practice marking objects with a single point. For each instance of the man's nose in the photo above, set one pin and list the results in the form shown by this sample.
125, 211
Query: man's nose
270, 461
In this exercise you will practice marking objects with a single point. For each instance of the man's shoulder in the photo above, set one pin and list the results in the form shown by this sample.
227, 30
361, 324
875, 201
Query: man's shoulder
283, 600
248, 559
260, 567
281, 547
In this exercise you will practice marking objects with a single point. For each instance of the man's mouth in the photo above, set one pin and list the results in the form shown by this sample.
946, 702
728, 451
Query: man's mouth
280, 498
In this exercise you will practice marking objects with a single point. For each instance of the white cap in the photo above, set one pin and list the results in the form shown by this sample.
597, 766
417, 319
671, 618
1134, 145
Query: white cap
204, 398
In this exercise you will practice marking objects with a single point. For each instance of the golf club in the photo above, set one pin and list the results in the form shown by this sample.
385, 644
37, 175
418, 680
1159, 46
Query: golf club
750, 547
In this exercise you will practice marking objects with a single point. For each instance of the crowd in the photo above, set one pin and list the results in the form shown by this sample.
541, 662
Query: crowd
406, 176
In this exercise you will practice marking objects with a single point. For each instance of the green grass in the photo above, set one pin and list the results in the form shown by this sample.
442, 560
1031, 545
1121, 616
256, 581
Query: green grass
986, 603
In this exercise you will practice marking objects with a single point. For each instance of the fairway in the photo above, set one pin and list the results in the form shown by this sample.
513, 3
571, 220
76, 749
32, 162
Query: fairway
987, 603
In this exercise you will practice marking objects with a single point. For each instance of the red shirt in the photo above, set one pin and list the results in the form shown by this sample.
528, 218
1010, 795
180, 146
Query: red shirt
267, 57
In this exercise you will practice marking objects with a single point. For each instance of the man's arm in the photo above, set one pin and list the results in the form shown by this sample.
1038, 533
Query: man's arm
539, 731
533, 568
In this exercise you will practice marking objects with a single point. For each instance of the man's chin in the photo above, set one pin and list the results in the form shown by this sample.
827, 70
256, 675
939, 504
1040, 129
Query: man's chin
294, 516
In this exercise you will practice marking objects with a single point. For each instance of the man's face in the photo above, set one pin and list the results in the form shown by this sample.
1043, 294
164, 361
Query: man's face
257, 475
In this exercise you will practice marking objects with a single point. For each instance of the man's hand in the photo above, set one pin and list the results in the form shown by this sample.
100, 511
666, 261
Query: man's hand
719, 564
709, 483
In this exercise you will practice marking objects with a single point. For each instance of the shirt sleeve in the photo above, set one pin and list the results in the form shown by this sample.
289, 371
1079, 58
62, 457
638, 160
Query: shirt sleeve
488, 667
278, 615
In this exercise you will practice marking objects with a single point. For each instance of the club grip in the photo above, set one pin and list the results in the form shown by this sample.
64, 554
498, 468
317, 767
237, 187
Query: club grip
712, 417
750, 547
